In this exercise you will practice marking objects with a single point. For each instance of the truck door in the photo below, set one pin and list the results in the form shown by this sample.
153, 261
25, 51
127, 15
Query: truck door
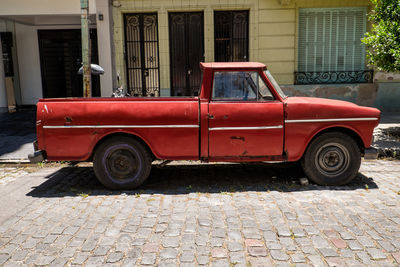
245, 119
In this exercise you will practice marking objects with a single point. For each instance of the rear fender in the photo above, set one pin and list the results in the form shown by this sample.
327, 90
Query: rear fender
109, 135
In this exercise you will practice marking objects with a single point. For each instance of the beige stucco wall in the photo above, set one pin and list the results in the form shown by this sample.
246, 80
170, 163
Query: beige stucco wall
272, 30
42, 7
162, 7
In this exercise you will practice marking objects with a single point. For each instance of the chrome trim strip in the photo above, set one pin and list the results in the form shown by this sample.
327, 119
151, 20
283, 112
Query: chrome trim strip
246, 128
331, 120
116, 126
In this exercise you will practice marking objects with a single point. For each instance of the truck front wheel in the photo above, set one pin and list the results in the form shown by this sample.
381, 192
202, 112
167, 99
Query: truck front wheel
121, 163
332, 159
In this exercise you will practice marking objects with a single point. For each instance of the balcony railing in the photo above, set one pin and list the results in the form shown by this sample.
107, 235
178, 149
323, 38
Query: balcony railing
329, 77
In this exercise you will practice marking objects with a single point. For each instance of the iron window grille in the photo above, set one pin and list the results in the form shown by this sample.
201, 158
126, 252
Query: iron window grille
141, 54
327, 77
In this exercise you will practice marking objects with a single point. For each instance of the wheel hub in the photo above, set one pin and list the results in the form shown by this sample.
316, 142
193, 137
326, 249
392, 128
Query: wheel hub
122, 164
332, 159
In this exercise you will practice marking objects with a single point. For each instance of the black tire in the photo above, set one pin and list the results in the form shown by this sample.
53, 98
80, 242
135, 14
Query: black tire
121, 163
332, 159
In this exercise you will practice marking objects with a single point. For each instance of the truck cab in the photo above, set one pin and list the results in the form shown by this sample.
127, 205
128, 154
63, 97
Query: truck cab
243, 111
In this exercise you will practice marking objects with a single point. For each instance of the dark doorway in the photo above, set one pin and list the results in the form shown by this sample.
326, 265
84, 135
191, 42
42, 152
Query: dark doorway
60, 58
7, 44
186, 42
141, 57
231, 30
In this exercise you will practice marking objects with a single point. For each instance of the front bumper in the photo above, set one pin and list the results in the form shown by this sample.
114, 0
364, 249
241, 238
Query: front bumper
38, 155
371, 153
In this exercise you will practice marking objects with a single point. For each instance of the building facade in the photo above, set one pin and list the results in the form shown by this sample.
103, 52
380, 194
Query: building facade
41, 49
153, 47
312, 47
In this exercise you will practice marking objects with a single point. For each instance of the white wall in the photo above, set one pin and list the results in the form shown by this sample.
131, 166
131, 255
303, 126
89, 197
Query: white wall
3, 26
104, 44
43, 7
29, 63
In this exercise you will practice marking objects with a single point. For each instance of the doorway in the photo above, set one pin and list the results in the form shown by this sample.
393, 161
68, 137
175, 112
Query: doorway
231, 30
60, 60
186, 44
141, 57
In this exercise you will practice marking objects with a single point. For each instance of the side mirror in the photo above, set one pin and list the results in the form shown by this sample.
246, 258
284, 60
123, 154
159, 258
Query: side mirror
96, 69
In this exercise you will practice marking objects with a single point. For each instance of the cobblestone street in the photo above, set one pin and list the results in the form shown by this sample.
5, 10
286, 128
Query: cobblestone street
210, 214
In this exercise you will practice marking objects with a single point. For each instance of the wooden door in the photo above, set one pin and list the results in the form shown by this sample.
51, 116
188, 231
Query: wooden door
186, 36
231, 30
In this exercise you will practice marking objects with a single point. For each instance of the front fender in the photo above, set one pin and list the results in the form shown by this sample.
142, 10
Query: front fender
299, 135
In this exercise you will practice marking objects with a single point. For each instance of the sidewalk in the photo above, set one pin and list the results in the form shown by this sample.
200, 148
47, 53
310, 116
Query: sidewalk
18, 131
387, 135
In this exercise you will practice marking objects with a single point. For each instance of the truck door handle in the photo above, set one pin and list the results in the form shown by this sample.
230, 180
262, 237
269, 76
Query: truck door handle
210, 116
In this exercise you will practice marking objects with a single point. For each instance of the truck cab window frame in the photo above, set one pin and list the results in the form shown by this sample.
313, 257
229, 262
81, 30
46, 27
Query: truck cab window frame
240, 86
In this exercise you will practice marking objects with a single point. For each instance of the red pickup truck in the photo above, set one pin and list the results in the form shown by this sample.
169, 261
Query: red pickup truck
240, 115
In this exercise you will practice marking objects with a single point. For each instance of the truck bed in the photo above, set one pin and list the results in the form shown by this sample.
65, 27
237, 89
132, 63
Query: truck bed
69, 128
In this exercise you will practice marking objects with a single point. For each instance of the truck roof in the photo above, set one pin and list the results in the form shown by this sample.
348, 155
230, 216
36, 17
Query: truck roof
233, 65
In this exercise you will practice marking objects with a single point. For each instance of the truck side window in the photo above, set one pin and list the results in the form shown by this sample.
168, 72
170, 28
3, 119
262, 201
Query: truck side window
240, 86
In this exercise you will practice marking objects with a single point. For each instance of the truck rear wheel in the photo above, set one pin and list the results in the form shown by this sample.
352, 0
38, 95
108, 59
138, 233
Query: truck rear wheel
122, 163
332, 159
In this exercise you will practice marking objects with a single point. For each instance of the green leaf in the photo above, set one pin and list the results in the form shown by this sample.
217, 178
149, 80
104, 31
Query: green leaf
384, 38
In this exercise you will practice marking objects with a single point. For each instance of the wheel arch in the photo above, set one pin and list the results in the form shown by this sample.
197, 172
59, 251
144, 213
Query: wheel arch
109, 136
344, 165
350, 132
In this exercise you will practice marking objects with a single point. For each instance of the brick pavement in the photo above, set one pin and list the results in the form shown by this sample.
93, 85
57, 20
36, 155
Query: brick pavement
218, 215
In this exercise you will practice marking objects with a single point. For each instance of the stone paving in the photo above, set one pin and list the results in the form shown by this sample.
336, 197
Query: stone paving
211, 214
10, 172
17, 133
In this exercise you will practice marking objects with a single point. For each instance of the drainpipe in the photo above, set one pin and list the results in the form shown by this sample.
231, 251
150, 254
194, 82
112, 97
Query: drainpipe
87, 83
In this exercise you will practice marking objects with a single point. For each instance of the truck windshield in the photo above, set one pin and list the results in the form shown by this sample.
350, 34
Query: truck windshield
275, 84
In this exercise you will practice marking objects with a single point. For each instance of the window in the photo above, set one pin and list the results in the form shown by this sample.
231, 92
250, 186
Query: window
240, 86
330, 48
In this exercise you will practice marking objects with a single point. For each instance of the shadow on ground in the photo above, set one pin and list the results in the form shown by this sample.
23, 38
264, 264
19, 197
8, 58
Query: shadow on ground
185, 179
16, 129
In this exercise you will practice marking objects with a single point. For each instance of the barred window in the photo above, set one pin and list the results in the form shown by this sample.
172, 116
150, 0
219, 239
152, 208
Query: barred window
330, 39
330, 48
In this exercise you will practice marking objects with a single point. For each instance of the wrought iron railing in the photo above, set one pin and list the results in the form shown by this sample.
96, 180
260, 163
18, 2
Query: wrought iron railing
326, 77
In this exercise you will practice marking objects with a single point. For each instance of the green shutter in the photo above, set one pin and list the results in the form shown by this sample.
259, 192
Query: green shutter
330, 39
